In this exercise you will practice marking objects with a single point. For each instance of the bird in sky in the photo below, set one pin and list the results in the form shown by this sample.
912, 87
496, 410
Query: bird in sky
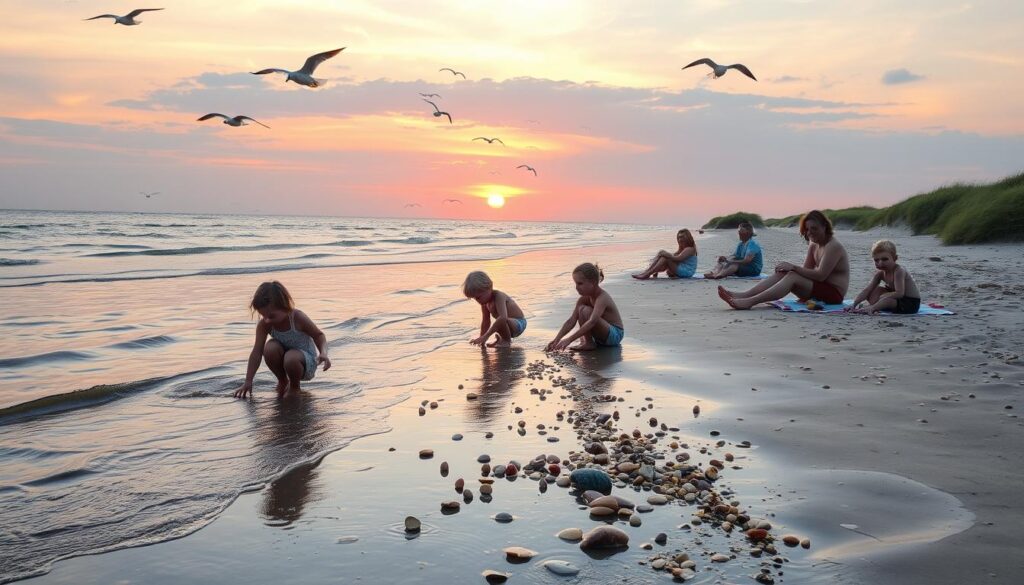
412, 205
459, 201
438, 113
720, 70
529, 168
430, 95
494, 172
304, 76
127, 19
454, 72
235, 121
489, 140
148, 195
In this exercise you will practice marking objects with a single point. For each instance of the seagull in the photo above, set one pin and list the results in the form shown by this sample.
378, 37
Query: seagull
304, 76
529, 168
720, 70
430, 95
127, 19
412, 204
459, 201
148, 195
438, 113
454, 72
236, 121
489, 140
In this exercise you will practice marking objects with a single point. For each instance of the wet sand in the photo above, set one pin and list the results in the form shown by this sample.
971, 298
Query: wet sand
920, 501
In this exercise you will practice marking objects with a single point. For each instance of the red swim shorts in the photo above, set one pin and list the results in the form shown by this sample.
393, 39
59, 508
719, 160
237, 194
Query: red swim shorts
826, 293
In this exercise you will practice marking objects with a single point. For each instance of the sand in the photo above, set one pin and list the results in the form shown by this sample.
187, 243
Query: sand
834, 407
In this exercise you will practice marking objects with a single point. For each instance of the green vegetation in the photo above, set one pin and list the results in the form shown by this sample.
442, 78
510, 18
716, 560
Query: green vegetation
733, 221
958, 214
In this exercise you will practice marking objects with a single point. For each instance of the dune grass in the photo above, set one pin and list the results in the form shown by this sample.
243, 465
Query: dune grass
958, 214
733, 221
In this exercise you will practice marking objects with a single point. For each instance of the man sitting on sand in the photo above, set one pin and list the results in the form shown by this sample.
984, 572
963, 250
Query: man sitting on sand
825, 274
746, 261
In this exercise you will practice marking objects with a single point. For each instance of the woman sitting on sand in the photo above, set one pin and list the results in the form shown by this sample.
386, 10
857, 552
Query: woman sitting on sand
825, 275
681, 264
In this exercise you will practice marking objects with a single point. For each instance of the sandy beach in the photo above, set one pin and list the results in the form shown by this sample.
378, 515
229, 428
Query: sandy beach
889, 442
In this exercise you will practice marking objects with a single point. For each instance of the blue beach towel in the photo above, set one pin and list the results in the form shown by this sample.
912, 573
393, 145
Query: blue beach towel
701, 277
795, 306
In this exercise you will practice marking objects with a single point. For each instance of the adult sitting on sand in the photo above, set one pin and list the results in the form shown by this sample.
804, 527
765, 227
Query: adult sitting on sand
746, 261
825, 275
681, 264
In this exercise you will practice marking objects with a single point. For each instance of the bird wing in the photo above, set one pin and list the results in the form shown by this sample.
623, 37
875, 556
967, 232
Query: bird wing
103, 16
265, 71
452, 201
252, 120
446, 69
311, 64
704, 61
481, 138
212, 115
743, 69
436, 109
139, 11
499, 140
460, 73
522, 167
449, 117
533, 170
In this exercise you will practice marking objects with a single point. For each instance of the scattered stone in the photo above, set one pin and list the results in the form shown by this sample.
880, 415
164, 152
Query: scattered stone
604, 537
457, 437
426, 453
806, 543
790, 540
483, 459
495, 576
471, 396
592, 479
635, 520
444, 469
720, 558
412, 524
661, 538
572, 534
657, 500
486, 489
450, 506
459, 484
560, 567
518, 553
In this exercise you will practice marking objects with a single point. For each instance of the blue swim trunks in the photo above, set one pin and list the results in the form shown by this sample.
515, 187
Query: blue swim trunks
615, 335
519, 328
686, 268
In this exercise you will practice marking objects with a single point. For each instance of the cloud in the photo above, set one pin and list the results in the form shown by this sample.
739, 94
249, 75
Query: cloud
787, 79
899, 76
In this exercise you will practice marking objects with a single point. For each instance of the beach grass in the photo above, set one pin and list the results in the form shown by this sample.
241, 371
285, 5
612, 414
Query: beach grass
961, 213
733, 221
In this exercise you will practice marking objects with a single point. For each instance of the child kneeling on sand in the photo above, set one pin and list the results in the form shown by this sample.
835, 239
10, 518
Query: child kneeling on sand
891, 288
595, 312
292, 352
509, 320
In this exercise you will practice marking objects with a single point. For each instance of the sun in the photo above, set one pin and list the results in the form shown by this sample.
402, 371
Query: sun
495, 200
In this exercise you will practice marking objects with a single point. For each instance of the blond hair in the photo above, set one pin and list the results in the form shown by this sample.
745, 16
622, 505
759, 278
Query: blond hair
272, 294
476, 282
590, 271
883, 246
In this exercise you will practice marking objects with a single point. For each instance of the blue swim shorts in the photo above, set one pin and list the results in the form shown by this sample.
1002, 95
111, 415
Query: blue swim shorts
519, 328
615, 335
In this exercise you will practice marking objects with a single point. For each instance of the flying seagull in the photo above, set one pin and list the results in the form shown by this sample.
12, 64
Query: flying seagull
412, 204
489, 140
438, 113
454, 72
127, 19
148, 195
459, 201
236, 121
304, 76
529, 168
430, 95
720, 70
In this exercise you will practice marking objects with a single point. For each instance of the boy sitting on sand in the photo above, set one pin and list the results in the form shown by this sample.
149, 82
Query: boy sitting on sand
509, 320
891, 288
748, 260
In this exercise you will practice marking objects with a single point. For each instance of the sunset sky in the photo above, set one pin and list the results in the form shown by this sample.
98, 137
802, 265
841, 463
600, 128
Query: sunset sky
857, 103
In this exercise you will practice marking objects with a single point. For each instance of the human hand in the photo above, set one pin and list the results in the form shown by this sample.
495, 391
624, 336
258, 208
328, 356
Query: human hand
722, 259
551, 346
326, 361
478, 341
561, 345
244, 390
784, 267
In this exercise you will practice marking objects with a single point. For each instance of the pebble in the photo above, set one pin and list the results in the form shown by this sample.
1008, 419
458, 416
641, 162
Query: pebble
661, 538
552, 439
659, 564
635, 520
601, 511
560, 567
450, 506
591, 479
471, 396
444, 469
495, 576
467, 496
657, 500
503, 517
459, 484
457, 437
644, 508
423, 411
426, 453
518, 553
486, 489
563, 481
483, 459
719, 558
790, 540
571, 534
806, 543
412, 524
488, 435
604, 537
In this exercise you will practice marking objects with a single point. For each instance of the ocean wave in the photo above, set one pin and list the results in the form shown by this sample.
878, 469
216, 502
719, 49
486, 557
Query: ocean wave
501, 236
17, 262
195, 250
412, 240
411, 291
53, 356
145, 342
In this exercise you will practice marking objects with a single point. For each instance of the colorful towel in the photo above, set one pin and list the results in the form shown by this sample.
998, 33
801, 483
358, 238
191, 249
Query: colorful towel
699, 276
795, 306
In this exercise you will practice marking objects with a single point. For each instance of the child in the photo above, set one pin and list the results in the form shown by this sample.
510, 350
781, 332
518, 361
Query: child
509, 320
595, 312
292, 352
682, 264
891, 288
746, 261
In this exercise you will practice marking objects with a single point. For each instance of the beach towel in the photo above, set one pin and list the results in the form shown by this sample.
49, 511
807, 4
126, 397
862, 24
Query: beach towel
701, 277
795, 306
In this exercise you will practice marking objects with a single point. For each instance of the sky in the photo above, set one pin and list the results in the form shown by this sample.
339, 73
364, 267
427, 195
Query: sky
855, 103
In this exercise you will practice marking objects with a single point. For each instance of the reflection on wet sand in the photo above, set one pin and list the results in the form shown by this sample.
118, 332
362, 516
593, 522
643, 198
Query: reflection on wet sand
293, 431
501, 371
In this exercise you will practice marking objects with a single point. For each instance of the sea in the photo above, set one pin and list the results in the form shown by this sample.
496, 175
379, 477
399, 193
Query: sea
124, 335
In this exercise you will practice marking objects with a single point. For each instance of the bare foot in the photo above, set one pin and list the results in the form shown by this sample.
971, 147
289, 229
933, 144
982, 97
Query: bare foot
709, 275
291, 392
590, 346
739, 304
724, 294
638, 276
282, 387
500, 343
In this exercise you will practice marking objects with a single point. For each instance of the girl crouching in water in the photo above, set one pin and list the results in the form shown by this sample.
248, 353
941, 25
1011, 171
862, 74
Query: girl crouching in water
291, 354
595, 312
